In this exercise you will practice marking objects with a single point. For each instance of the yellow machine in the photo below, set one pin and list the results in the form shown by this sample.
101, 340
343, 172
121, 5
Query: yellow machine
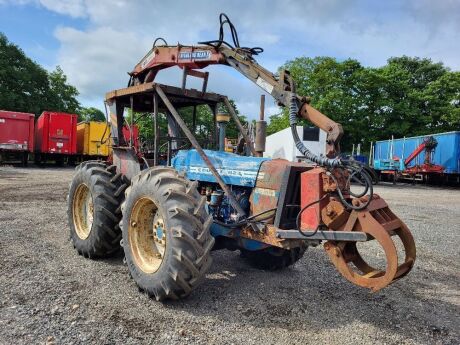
230, 145
93, 138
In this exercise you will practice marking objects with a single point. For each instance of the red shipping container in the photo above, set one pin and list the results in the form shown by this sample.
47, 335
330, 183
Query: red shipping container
56, 133
16, 131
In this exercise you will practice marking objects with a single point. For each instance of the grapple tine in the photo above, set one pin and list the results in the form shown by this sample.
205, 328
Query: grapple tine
381, 224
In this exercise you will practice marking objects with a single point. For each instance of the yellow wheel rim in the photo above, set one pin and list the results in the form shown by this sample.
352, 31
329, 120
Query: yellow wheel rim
83, 211
146, 235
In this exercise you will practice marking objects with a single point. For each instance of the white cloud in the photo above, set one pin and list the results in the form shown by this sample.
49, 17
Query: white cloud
97, 60
120, 32
73, 8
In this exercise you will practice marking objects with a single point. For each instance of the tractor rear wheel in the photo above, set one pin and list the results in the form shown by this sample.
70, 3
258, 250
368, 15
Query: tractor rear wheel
93, 209
273, 258
166, 233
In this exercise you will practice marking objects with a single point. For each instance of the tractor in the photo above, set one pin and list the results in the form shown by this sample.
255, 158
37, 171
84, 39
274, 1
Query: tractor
169, 212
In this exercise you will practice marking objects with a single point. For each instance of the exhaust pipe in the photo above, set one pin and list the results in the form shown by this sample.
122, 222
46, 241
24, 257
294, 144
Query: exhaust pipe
222, 120
261, 130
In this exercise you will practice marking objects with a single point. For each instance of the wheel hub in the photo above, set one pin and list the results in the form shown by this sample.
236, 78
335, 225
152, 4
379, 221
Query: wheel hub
146, 234
83, 211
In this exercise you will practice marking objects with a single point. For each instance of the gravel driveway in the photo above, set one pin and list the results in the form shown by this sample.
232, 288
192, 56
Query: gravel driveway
50, 295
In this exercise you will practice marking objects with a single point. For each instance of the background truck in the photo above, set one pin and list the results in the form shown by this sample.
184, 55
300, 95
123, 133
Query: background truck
55, 137
410, 158
16, 136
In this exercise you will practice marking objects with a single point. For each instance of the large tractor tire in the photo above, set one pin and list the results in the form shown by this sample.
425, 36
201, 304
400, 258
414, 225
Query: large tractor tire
273, 258
166, 233
94, 209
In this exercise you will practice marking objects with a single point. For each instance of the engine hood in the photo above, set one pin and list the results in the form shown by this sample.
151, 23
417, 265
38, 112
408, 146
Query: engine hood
234, 169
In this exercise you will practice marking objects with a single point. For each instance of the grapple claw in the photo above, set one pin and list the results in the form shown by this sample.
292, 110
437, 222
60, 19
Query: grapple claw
380, 224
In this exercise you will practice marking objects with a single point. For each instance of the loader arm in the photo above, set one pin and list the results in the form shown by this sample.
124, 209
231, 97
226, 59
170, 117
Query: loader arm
280, 87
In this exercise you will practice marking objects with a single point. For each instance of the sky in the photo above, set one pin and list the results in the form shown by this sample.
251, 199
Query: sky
96, 42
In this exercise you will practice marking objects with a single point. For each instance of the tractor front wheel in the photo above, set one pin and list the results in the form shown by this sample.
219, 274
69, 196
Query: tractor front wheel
166, 237
273, 258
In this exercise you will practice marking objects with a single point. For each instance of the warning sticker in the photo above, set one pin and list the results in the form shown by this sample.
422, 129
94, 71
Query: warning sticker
265, 191
147, 59
264, 85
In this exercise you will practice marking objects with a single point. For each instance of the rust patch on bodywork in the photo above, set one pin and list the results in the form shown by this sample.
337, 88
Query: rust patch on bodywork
266, 193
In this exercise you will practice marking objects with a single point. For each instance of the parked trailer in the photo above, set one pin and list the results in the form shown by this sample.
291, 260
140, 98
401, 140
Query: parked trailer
16, 136
55, 137
93, 139
446, 154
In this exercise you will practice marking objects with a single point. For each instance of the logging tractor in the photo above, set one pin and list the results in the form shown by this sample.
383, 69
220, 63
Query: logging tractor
167, 213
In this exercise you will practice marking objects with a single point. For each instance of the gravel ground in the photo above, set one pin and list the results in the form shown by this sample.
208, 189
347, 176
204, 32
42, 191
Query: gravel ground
49, 294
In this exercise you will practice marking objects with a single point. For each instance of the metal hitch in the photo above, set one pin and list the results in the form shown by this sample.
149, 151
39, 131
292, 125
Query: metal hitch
379, 223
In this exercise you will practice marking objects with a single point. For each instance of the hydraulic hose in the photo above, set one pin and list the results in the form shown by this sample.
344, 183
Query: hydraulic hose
368, 183
322, 161
327, 162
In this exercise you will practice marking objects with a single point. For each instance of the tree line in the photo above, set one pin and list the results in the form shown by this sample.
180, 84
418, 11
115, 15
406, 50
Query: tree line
407, 96
26, 86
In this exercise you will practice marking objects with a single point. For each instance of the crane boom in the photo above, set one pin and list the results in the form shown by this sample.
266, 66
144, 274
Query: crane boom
428, 144
279, 87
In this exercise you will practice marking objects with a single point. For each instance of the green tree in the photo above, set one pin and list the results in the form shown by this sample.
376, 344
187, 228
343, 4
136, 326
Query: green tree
232, 131
278, 122
420, 97
24, 85
408, 96
90, 114
63, 95
204, 123
443, 97
344, 91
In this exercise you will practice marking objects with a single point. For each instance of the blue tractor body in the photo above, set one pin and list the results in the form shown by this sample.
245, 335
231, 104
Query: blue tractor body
239, 172
235, 170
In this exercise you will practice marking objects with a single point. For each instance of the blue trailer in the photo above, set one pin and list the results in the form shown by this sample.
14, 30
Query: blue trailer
361, 158
389, 155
